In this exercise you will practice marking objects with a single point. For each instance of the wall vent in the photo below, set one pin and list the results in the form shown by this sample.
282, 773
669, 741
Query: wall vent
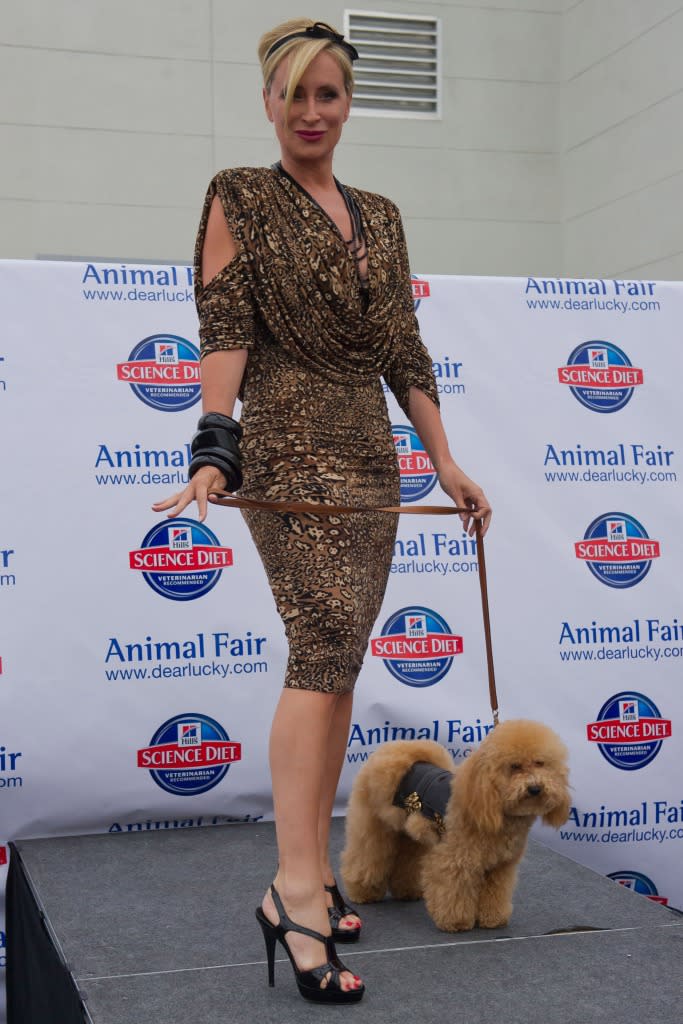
399, 71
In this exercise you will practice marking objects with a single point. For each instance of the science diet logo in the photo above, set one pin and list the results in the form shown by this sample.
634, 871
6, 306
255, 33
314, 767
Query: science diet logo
163, 371
617, 550
181, 559
600, 376
629, 731
417, 646
420, 291
189, 754
637, 882
418, 476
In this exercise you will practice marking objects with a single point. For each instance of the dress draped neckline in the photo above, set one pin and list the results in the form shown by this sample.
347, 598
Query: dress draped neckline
305, 282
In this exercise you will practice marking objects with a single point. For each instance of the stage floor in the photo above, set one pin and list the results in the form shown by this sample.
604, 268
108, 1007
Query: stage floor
159, 927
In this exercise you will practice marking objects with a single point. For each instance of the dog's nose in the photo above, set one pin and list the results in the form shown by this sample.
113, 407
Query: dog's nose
534, 790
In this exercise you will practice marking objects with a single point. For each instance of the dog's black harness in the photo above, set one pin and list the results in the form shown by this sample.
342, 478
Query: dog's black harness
425, 788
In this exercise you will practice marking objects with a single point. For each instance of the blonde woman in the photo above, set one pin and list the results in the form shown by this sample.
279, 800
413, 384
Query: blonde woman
304, 299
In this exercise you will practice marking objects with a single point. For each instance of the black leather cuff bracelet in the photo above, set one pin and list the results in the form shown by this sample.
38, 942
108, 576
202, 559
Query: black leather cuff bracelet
214, 437
218, 419
216, 444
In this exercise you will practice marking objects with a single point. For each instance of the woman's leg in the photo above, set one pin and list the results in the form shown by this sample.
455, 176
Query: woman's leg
337, 741
299, 752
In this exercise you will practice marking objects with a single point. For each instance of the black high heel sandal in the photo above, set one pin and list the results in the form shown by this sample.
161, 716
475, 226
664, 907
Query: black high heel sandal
336, 912
308, 982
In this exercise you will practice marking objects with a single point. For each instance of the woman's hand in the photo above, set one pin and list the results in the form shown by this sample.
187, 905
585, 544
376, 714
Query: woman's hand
465, 494
205, 480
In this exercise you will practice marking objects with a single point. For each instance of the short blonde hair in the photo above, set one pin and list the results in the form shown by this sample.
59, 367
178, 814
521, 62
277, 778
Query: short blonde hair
303, 52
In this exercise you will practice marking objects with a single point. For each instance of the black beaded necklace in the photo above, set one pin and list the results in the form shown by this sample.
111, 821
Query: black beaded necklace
356, 243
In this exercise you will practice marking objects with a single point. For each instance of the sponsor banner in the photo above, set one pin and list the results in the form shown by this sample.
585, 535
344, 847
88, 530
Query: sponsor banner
418, 476
568, 295
624, 462
435, 553
138, 465
653, 823
629, 731
636, 881
458, 735
583, 399
600, 376
181, 559
163, 372
128, 283
640, 639
617, 549
215, 655
189, 754
417, 646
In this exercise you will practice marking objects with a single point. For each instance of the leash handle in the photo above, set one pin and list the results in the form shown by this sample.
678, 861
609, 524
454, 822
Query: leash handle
225, 498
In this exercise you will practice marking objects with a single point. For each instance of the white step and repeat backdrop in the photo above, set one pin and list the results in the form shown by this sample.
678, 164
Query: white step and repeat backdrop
141, 658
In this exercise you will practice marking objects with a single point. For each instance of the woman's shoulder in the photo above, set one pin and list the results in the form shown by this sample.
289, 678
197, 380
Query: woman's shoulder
374, 202
241, 181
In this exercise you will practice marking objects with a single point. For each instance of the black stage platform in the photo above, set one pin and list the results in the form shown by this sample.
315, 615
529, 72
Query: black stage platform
159, 927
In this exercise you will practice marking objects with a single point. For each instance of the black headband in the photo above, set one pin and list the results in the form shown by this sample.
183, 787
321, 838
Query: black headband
317, 31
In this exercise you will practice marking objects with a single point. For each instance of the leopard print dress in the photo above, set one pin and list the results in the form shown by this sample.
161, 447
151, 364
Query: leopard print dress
314, 415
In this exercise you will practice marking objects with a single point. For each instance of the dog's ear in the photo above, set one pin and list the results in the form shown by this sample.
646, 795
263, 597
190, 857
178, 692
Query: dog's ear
559, 814
476, 793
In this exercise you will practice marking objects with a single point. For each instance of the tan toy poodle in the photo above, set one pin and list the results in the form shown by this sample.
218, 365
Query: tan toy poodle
419, 826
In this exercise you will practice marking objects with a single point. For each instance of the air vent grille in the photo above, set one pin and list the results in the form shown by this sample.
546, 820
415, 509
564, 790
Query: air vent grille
398, 74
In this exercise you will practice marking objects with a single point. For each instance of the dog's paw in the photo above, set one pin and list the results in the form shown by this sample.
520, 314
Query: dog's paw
451, 924
493, 921
359, 893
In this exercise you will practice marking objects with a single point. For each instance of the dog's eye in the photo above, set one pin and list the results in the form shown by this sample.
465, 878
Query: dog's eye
515, 767
539, 764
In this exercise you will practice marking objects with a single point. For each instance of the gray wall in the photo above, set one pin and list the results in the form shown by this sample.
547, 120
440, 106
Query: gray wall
622, 148
560, 149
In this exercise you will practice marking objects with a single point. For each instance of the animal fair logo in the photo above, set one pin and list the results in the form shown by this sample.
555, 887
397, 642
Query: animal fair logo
640, 883
181, 559
618, 550
629, 730
189, 754
600, 376
417, 646
418, 476
421, 291
163, 372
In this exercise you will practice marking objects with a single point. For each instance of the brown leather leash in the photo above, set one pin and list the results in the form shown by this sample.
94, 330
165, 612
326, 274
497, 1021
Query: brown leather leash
302, 507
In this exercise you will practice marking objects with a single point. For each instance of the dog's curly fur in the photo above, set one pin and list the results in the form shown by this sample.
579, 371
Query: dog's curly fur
467, 877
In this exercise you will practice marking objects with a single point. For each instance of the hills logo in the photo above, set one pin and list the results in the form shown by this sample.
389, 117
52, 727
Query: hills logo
163, 372
617, 550
600, 376
629, 730
418, 476
189, 754
417, 646
180, 559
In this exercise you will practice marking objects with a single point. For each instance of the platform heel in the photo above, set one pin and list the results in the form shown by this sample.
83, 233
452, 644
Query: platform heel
310, 982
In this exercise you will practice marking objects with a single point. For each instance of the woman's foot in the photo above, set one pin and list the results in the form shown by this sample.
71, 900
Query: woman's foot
306, 908
345, 922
